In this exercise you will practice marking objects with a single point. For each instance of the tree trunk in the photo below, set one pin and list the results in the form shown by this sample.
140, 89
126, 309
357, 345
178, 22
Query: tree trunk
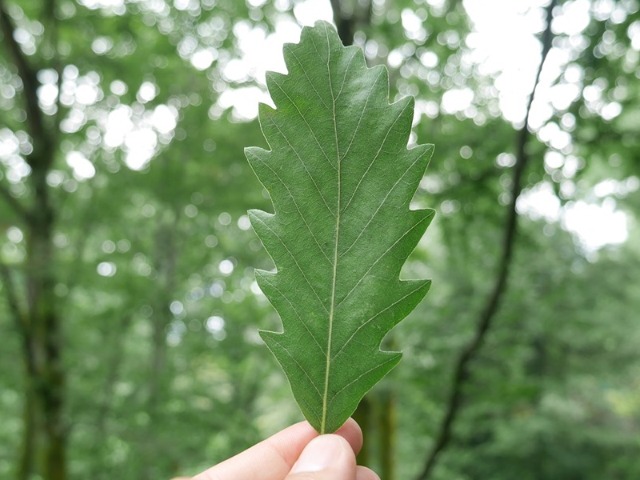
387, 435
165, 262
362, 415
28, 446
45, 326
348, 23
35, 306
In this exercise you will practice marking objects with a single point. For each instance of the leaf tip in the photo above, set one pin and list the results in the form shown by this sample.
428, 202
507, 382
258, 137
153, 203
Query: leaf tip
267, 335
258, 214
428, 147
261, 275
276, 77
255, 152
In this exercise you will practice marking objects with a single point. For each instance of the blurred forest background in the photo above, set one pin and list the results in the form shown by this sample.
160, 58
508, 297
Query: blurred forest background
128, 307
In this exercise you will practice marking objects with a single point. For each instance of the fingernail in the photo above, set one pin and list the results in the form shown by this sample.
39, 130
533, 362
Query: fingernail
319, 454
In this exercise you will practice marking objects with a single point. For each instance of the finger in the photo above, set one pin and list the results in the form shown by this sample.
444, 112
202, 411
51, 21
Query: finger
352, 433
273, 458
268, 460
364, 473
328, 457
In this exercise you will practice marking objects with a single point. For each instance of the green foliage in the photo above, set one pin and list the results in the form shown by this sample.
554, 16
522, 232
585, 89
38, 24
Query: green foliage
165, 372
341, 179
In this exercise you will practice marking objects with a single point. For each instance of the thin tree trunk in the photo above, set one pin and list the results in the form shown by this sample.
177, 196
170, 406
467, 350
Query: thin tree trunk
462, 370
387, 434
362, 415
26, 462
166, 261
348, 23
42, 308
28, 445
39, 324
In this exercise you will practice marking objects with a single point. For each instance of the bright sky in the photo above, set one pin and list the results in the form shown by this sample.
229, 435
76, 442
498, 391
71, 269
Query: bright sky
513, 63
596, 222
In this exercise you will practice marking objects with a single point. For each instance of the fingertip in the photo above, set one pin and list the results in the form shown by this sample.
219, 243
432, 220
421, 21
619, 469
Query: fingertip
351, 424
364, 473
352, 433
326, 453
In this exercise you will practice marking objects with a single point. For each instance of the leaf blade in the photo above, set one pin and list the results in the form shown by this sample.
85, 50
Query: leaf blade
340, 178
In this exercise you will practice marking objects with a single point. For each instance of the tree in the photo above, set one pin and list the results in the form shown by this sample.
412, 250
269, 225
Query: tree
128, 311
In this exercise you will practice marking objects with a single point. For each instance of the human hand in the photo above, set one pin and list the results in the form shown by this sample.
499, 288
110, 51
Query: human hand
297, 453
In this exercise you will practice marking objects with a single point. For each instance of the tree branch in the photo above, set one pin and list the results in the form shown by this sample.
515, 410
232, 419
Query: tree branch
35, 118
492, 304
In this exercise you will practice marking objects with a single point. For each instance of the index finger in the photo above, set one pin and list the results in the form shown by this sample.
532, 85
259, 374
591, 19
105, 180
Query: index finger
273, 458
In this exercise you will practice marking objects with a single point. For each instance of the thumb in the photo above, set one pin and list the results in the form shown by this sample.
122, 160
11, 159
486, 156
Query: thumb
327, 457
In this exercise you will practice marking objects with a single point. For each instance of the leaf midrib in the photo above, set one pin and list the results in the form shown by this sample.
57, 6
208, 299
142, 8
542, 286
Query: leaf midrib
325, 396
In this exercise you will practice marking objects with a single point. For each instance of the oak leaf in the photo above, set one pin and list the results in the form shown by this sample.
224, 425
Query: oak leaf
341, 178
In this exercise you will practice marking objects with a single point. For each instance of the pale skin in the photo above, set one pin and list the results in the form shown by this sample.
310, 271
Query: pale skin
297, 453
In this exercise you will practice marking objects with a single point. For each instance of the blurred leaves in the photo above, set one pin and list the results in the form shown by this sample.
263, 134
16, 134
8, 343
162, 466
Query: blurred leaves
154, 258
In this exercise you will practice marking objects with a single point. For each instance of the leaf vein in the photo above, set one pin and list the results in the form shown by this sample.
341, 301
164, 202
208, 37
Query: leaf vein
309, 79
364, 108
299, 366
274, 286
346, 72
380, 258
373, 317
293, 199
334, 276
306, 123
355, 380
304, 165
283, 243
384, 140
380, 206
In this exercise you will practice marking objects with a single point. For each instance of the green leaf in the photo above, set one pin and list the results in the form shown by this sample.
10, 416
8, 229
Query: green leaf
340, 178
